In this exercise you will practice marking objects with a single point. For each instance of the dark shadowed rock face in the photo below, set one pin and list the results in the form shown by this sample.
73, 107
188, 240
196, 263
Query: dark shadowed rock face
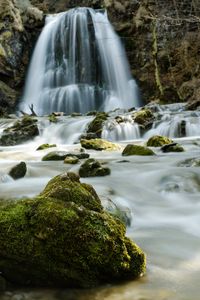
64, 238
22, 131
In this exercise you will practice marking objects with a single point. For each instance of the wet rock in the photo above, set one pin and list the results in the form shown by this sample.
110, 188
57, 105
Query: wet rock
2, 284
71, 160
45, 146
65, 233
8, 98
99, 144
158, 141
18, 171
61, 155
144, 117
136, 150
52, 118
22, 131
96, 125
174, 147
92, 167
76, 114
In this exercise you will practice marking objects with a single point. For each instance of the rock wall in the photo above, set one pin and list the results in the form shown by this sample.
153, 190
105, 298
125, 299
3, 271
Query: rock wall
162, 40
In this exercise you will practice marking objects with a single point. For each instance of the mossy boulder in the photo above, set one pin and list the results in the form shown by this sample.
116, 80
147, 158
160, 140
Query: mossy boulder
144, 117
22, 131
158, 141
96, 125
174, 147
45, 146
61, 155
8, 98
92, 167
64, 238
136, 150
18, 171
99, 144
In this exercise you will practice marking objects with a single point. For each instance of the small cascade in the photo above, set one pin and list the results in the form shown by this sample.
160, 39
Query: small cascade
78, 65
66, 131
176, 126
121, 128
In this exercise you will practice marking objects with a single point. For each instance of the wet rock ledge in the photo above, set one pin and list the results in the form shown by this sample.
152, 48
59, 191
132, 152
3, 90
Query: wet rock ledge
64, 238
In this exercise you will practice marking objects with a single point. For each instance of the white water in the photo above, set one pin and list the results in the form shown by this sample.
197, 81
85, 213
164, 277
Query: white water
78, 65
163, 198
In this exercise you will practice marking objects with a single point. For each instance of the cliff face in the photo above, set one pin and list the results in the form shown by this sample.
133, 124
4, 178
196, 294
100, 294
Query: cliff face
162, 40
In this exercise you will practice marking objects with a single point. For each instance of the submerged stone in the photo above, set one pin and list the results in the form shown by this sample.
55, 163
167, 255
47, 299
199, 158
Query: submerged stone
18, 171
22, 131
190, 162
136, 150
92, 167
64, 238
99, 144
158, 141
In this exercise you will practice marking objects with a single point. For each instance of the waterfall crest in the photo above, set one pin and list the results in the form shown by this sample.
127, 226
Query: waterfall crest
78, 65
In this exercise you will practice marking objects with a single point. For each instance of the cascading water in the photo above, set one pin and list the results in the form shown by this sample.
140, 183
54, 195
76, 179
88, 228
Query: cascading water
79, 65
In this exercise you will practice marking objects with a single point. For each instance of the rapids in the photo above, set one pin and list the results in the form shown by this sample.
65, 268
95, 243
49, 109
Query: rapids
162, 194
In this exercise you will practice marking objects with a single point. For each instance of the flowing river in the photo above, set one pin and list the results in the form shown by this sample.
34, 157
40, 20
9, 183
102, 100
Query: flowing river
161, 193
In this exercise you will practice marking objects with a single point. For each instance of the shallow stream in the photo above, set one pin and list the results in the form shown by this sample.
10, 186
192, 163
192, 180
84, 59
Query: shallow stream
162, 194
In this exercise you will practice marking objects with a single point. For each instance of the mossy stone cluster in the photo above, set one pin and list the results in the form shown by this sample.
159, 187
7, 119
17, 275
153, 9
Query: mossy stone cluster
136, 150
61, 155
22, 131
158, 141
64, 238
45, 146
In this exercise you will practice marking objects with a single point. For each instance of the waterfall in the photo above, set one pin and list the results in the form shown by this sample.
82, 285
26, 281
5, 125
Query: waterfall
79, 64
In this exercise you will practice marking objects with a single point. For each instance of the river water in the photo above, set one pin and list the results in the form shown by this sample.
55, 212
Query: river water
161, 193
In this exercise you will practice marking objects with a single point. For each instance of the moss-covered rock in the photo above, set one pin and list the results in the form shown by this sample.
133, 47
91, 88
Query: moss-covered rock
136, 150
61, 155
96, 125
22, 131
174, 147
99, 144
45, 146
18, 171
158, 141
92, 167
144, 117
63, 234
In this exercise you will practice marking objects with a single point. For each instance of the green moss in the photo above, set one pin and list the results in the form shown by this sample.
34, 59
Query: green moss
158, 141
99, 144
52, 118
53, 241
68, 188
136, 150
71, 160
